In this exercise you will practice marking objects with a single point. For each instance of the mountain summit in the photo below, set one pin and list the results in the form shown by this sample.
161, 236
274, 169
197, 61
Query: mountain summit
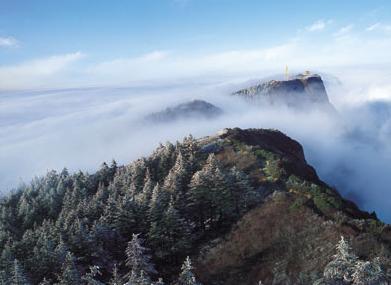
300, 90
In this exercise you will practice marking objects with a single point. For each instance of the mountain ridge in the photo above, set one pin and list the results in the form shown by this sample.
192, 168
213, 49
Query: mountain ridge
243, 204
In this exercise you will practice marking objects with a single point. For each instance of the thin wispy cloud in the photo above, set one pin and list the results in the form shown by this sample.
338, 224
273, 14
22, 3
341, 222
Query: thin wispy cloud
155, 55
8, 42
319, 25
379, 27
344, 31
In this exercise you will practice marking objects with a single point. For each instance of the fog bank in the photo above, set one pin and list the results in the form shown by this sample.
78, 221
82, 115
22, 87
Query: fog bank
81, 128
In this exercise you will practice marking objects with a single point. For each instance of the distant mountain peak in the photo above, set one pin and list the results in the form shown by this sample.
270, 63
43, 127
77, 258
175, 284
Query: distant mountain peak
300, 90
188, 110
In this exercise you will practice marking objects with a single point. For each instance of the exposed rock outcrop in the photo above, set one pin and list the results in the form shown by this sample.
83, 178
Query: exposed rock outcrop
298, 91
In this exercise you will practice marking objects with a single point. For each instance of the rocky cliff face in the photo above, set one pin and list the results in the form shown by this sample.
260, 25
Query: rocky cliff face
189, 110
297, 91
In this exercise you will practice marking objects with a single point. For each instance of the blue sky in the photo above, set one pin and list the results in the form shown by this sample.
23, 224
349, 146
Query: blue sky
77, 39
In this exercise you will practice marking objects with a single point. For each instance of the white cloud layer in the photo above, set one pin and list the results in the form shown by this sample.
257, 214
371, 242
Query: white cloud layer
81, 128
37, 73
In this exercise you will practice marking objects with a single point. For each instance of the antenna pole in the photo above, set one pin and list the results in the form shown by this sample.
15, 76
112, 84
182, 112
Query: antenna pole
286, 72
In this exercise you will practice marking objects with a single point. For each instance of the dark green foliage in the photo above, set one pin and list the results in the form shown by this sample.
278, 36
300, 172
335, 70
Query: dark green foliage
171, 235
70, 274
90, 277
60, 225
18, 276
116, 278
324, 198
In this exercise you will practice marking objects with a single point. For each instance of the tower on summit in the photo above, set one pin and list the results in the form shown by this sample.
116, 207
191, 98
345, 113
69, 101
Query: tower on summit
286, 72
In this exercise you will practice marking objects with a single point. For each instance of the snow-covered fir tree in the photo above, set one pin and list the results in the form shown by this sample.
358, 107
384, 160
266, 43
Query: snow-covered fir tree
138, 260
70, 274
346, 269
116, 278
171, 235
341, 268
90, 278
187, 277
18, 275
369, 273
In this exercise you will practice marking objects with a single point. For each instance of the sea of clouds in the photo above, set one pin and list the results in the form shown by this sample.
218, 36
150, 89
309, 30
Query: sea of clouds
42, 130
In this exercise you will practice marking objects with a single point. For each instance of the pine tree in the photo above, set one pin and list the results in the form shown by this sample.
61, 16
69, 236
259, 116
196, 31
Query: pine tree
137, 170
126, 218
159, 282
45, 282
369, 273
177, 178
116, 279
159, 201
104, 174
4, 277
209, 194
90, 277
170, 236
147, 191
220, 197
110, 211
165, 161
200, 202
186, 277
243, 195
7, 259
61, 252
190, 146
18, 275
113, 168
70, 275
346, 268
139, 279
96, 205
341, 268
44, 255
138, 260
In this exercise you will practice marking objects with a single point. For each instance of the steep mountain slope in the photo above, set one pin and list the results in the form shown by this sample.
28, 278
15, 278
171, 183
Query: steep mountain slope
243, 204
298, 91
